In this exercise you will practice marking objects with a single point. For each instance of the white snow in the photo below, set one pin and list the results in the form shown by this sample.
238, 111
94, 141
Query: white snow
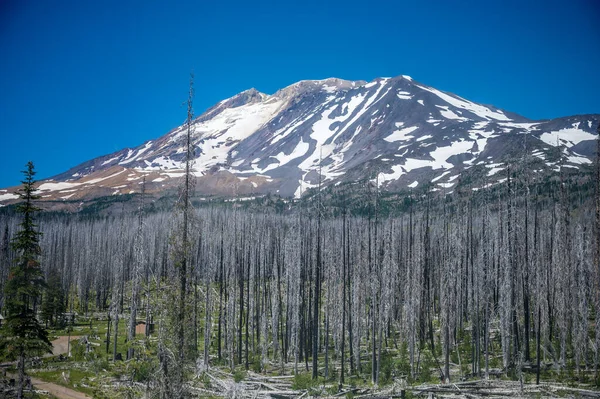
446, 185
539, 155
372, 100
57, 186
98, 180
302, 187
300, 150
217, 136
173, 174
240, 199
326, 138
567, 137
578, 159
401, 135
282, 133
130, 159
440, 156
228, 128
413, 184
440, 176
459, 102
494, 170
427, 136
519, 125
163, 163
8, 196
448, 114
108, 161
404, 95
282, 158
397, 171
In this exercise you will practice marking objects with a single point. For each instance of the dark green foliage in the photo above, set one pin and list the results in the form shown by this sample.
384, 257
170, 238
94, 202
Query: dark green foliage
239, 375
4, 262
53, 302
22, 334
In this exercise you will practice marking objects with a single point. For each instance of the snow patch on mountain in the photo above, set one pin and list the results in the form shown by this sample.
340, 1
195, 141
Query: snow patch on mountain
51, 186
566, 137
459, 102
130, 159
282, 158
401, 135
8, 196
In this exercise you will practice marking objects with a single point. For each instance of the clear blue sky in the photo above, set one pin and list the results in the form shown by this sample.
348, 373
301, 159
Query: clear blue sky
80, 79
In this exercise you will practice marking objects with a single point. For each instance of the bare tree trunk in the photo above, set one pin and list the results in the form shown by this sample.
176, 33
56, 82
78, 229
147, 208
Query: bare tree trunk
597, 253
317, 289
21, 367
344, 267
138, 259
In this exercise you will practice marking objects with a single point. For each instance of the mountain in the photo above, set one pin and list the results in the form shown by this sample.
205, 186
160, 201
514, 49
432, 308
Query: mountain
412, 136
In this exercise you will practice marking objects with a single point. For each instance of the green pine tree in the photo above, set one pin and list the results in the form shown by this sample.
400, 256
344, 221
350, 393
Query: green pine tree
22, 335
53, 303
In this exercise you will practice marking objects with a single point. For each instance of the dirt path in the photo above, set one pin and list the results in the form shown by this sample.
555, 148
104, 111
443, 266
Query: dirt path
58, 390
59, 345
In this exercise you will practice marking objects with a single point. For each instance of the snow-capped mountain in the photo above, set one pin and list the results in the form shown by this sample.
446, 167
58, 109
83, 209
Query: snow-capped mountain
409, 134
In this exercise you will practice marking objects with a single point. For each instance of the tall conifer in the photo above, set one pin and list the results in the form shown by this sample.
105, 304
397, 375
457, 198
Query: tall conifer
22, 334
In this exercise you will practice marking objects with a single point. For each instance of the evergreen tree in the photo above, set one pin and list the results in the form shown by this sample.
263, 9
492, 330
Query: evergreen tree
22, 335
4, 263
53, 303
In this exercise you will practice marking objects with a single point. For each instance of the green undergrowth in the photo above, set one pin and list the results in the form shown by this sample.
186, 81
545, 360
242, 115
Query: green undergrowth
75, 379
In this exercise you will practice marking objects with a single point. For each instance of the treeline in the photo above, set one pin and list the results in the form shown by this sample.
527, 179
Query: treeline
513, 278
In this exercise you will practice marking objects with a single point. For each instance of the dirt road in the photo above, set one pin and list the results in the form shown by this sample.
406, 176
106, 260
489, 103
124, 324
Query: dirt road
58, 390
59, 347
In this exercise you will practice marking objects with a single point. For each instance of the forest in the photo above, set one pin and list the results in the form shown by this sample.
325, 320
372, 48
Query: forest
504, 284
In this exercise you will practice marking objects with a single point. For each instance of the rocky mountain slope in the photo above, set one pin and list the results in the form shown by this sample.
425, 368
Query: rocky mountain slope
409, 135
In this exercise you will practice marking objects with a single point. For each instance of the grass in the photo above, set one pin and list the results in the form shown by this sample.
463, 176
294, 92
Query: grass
394, 365
73, 378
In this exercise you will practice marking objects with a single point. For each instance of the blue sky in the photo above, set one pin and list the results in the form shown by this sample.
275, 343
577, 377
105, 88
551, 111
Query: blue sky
80, 79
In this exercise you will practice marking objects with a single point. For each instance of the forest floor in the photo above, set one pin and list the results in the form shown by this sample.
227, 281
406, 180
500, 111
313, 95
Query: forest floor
58, 391
221, 384
91, 372
60, 346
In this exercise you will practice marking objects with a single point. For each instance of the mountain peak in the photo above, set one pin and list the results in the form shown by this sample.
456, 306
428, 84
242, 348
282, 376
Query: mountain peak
329, 85
410, 134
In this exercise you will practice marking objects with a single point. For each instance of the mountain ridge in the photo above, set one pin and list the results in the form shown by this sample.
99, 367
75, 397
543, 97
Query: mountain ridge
406, 132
